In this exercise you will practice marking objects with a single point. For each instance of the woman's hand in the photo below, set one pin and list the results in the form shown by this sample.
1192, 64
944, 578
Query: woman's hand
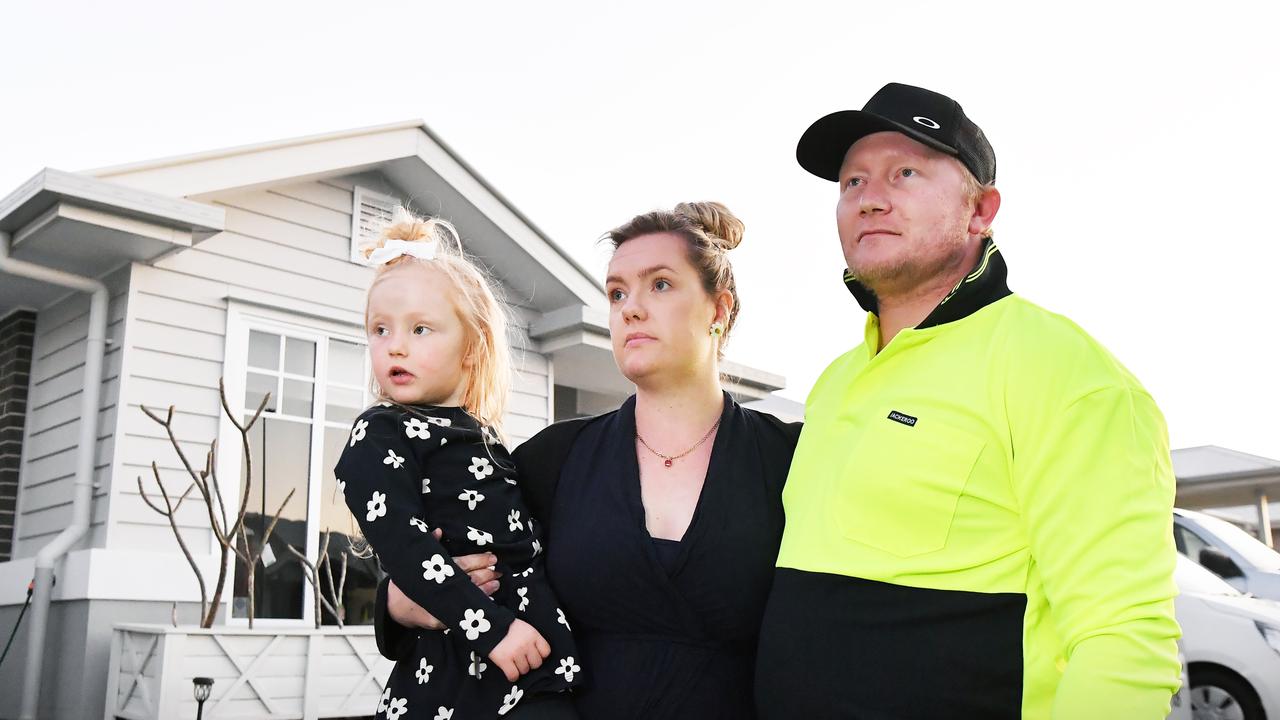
478, 567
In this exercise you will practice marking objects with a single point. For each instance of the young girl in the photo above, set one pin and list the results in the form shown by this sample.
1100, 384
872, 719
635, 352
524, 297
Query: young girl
429, 456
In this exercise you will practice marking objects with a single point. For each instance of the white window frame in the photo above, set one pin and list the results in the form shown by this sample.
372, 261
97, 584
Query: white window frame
242, 317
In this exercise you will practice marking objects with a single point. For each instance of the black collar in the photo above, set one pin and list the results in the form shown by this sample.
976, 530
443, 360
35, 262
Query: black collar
981, 287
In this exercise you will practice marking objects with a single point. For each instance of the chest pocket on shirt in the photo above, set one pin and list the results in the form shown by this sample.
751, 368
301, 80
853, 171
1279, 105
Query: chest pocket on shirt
899, 487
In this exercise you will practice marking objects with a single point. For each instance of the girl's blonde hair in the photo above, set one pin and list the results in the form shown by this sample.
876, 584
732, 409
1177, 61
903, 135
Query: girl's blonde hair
482, 312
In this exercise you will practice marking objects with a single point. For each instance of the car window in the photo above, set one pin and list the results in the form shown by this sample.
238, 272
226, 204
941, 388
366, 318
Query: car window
1189, 543
1192, 578
1253, 550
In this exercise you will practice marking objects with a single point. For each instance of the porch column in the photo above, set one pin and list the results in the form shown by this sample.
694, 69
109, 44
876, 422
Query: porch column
1264, 520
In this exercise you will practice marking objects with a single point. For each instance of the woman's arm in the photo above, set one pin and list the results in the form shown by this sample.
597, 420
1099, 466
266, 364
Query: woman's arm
397, 619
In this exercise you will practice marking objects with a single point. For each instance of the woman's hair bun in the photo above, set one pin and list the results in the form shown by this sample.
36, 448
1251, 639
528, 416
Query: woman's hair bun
715, 220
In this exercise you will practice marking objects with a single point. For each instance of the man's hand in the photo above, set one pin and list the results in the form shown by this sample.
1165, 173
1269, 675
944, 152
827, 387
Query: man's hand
478, 567
522, 650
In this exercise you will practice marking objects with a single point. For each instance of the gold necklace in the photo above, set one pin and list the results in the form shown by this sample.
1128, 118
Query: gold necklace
667, 459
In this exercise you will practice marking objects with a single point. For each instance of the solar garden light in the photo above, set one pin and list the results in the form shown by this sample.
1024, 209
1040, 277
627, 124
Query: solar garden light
203, 686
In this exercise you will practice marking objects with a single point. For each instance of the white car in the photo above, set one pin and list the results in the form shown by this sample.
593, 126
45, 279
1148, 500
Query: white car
1235, 555
1232, 646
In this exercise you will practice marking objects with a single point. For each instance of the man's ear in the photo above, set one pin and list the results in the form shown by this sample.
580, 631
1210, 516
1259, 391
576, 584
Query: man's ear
984, 211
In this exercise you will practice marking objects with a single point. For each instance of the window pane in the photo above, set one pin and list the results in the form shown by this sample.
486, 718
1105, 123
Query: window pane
343, 405
362, 573
264, 351
300, 357
346, 363
280, 452
297, 398
256, 386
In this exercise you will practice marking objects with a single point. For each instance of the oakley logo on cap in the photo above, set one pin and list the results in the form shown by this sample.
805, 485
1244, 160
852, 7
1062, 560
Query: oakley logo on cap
920, 119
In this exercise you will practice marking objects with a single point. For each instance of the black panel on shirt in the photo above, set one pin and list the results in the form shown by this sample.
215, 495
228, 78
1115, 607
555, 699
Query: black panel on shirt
833, 646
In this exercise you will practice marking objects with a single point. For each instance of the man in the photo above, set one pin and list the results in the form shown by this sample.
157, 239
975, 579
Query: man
979, 509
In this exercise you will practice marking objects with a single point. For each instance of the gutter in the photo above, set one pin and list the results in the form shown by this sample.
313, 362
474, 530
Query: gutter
82, 499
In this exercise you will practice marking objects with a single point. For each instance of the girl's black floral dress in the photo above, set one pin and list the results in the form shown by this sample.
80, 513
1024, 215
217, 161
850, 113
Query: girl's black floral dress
407, 470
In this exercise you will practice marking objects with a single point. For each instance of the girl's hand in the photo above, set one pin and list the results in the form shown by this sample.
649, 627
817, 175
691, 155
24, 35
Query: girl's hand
479, 568
522, 650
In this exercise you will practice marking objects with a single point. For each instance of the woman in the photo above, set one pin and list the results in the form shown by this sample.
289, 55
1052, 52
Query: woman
662, 519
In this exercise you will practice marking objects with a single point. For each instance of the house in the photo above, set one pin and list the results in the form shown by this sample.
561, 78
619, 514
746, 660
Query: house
1237, 486
236, 264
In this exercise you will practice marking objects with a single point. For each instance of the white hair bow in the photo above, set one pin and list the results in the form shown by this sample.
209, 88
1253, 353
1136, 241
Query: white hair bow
393, 249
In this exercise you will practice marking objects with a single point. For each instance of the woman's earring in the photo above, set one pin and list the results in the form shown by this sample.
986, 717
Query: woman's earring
717, 329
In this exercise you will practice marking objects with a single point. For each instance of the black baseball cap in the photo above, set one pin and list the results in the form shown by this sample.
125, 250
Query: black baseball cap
929, 117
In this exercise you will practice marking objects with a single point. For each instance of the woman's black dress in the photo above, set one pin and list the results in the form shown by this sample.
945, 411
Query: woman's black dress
664, 632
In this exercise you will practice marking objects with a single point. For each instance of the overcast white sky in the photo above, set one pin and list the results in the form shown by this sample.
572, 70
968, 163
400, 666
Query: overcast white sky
1137, 142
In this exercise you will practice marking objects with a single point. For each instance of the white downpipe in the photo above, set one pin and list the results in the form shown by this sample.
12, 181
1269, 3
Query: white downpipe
82, 499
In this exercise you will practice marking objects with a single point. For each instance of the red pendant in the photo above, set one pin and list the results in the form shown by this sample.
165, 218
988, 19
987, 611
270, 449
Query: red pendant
667, 462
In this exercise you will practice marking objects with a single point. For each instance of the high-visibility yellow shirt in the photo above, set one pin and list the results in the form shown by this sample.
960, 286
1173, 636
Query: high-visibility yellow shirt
1004, 451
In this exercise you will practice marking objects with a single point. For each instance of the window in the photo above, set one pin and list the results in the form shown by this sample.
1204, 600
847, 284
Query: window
317, 381
1253, 550
370, 212
17, 333
1188, 542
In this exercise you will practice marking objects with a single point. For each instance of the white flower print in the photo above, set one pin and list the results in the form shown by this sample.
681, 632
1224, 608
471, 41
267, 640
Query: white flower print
524, 598
560, 618
444, 713
477, 667
510, 700
537, 548
513, 521
490, 437
443, 441
382, 702
342, 485
357, 432
377, 506
479, 537
567, 668
436, 569
397, 707
422, 526
474, 624
415, 428
392, 459
426, 485
525, 574
424, 671
481, 468
442, 422
384, 403
471, 497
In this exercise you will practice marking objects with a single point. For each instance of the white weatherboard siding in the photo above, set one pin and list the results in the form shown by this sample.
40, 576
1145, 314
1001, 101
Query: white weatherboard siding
49, 446
284, 249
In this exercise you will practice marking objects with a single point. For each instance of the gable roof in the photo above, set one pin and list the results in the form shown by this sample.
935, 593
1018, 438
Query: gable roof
415, 159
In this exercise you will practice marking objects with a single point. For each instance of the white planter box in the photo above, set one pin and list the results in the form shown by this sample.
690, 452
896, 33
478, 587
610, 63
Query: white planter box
260, 674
